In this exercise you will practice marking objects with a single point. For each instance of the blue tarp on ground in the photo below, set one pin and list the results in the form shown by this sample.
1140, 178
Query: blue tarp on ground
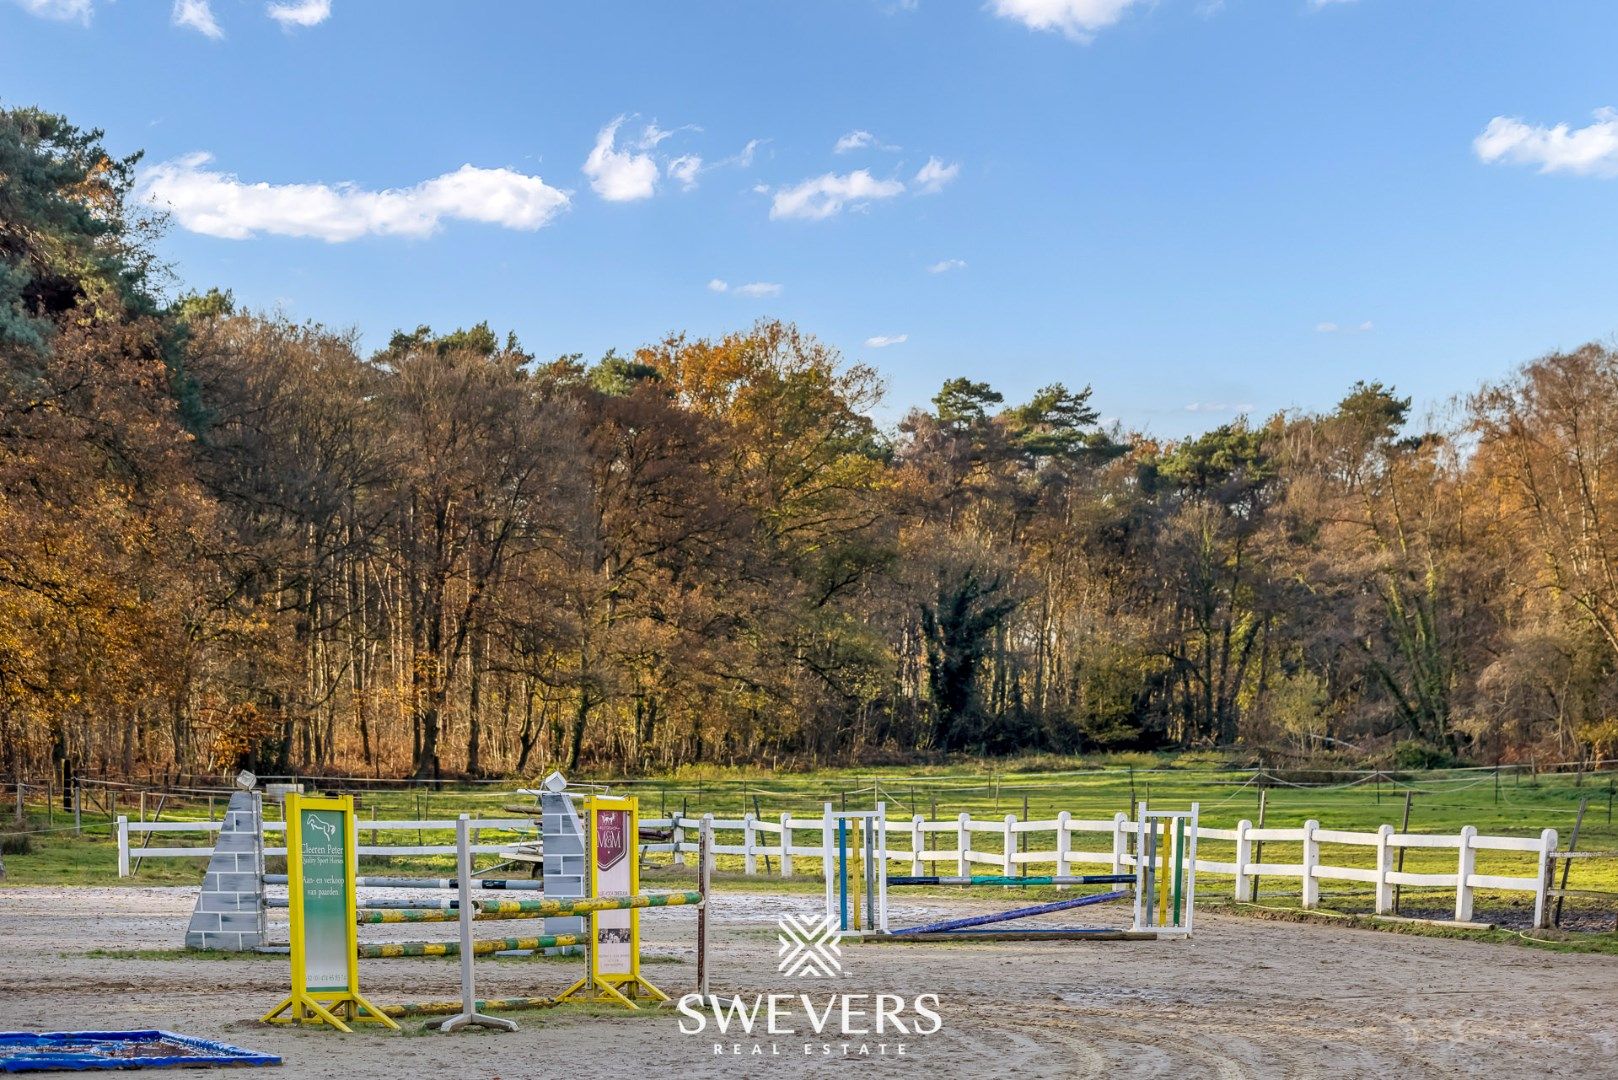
30, 1051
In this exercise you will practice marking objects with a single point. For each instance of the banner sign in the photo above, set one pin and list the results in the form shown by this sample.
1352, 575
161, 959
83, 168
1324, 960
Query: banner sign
327, 926
613, 929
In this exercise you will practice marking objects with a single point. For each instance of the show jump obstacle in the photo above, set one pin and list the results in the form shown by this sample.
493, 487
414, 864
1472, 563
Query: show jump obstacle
1162, 884
321, 868
325, 953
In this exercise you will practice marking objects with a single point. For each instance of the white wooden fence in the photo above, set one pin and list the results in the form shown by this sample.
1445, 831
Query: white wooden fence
775, 843
129, 852
766, 839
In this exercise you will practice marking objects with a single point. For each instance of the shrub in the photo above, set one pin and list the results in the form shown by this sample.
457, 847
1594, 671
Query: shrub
1415, 754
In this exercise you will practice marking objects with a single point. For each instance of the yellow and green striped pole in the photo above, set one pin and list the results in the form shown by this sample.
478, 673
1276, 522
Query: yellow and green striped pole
527, 909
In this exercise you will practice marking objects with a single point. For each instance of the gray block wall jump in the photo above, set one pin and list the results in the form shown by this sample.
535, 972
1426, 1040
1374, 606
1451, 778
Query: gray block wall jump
566, 871
230, 908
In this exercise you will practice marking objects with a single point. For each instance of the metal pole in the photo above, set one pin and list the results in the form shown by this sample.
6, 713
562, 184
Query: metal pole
1567, 864
469, 1015
704, 885
1258, 845
1404, 827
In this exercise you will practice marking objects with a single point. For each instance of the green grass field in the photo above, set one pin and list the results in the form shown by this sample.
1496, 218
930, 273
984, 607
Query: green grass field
1508, 802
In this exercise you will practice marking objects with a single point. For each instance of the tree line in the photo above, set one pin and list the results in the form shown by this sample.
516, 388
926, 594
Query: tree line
228, 539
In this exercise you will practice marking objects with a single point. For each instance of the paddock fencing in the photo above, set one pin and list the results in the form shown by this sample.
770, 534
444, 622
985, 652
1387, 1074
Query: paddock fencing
1379, 864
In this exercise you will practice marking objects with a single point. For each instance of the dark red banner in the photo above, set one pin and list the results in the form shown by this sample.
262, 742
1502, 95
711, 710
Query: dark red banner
612, 837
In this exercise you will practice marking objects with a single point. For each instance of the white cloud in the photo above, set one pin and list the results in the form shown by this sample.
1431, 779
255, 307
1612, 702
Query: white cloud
65, 10
1333, 328
1318, 4
651, 135
931, 177
685, 169
1077, 19
860, 139
299, 12
215, 203
1327, 328
854, 140
198, 15
622, 175
824, 196
944, 266
1587, 151
882, 341
1219, 407
744, 159
752, 288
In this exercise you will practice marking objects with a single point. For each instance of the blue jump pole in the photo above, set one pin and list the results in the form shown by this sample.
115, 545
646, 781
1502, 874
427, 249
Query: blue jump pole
998, 879
1016, 913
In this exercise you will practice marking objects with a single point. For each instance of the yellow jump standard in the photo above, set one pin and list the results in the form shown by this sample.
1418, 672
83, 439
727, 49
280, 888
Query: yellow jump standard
612, 828
321, 868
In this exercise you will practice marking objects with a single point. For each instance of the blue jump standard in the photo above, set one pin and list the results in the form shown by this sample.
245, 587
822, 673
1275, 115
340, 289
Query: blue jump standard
1015, 913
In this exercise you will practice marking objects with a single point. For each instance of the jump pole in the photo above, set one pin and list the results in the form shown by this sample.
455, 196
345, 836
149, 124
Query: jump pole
531, 909
1007, 916
482, 947
384, 882
469, 1015
998, 879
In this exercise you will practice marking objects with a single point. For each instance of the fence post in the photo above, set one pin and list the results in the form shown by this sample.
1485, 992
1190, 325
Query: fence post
786, 844
1008, 858
1384, 866
1311, 859
1463, 874
917, 843
1120, 842
713, 856
1547, 867
123, 847
963, 845
749, 860
678, 836
1064, 843
1244, 857
828, 860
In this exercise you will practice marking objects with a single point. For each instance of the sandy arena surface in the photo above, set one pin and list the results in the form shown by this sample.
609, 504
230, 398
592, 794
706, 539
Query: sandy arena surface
1245, 999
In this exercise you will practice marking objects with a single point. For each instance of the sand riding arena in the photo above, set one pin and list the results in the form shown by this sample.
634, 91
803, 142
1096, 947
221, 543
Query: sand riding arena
1244, 998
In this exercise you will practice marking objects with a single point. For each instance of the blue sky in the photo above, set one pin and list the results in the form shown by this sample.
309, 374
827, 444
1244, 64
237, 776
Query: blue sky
1175, 201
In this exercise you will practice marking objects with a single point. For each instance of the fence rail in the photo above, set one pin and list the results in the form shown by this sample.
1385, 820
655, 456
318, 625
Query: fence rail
129, 851
776, 839
1007, 846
